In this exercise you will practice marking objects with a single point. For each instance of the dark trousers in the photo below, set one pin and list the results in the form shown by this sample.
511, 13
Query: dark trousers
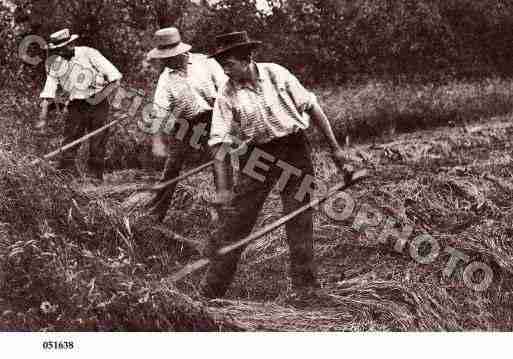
81, 119
180, 149
250, 194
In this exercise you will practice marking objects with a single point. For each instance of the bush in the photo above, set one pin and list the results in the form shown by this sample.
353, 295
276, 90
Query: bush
324, 41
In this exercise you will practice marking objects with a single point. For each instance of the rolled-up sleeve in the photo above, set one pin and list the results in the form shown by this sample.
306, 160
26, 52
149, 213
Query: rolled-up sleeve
303, 98
219, 78
223, 128
161, 98
104, 65
162, 101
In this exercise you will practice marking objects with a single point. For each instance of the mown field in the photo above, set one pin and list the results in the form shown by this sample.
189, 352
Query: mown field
72, 257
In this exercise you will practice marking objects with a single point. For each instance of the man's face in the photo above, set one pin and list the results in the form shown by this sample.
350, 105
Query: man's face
67, 51
153, 65
177, 62
234, 68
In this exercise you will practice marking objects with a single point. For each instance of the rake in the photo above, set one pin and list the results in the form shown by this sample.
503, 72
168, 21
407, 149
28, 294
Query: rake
75, 143
195, 266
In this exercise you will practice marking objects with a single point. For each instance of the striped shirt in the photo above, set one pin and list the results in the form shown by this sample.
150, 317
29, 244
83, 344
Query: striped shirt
87, 73
188, 94
275, 107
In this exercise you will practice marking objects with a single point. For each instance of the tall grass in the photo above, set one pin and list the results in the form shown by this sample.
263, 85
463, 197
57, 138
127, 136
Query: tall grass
363, 111
374, 109
367, 111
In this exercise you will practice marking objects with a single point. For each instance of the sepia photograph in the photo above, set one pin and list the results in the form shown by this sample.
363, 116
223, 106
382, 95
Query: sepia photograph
254, 166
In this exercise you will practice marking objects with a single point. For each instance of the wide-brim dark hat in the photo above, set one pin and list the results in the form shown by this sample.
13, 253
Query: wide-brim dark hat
234, 40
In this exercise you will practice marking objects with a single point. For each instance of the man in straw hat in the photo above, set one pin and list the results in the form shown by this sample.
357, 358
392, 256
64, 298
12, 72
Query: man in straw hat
83, 73
266, 106
184, 98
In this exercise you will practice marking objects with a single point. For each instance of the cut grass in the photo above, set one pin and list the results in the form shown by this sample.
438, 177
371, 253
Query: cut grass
73, 259
367, 284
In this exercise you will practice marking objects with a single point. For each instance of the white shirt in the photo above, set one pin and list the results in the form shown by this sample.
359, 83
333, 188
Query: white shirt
86, 74
187, 94
276, 106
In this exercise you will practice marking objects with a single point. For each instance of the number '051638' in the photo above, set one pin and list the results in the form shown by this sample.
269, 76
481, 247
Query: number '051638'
65, 345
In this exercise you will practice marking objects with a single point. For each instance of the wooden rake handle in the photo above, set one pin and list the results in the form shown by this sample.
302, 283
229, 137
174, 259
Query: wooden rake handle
74, 143
193, 267
164, 185
183, 176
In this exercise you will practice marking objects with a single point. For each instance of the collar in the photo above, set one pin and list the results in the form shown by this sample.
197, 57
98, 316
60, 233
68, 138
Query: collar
183, 71
179, 71
74, 52
259, 71
248, 85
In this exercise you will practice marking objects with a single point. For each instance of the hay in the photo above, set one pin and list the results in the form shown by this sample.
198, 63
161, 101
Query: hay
455, 187
71, 261
447, 192
362, 304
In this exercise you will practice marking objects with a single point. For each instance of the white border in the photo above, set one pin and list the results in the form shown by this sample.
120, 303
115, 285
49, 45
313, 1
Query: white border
261, 345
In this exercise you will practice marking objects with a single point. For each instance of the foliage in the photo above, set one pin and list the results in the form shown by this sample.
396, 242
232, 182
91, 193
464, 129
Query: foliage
323, 41
328, 41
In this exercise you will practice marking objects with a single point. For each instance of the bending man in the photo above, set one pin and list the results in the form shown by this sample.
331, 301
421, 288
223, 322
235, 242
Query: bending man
84, 73
264, 105
185, 94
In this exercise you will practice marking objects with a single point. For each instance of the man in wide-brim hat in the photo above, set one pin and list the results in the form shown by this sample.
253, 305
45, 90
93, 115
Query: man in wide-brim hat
264, 105
182, 107
83, 73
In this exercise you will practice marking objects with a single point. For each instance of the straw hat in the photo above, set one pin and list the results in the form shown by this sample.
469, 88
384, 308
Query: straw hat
168, 43
61, 38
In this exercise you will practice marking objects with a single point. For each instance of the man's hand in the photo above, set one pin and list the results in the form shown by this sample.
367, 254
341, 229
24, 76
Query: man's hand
211, 247
159, 147
344, 163
112, 89
65, 109
339, 157
223, 203
43, 116
223, 198
40, 125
